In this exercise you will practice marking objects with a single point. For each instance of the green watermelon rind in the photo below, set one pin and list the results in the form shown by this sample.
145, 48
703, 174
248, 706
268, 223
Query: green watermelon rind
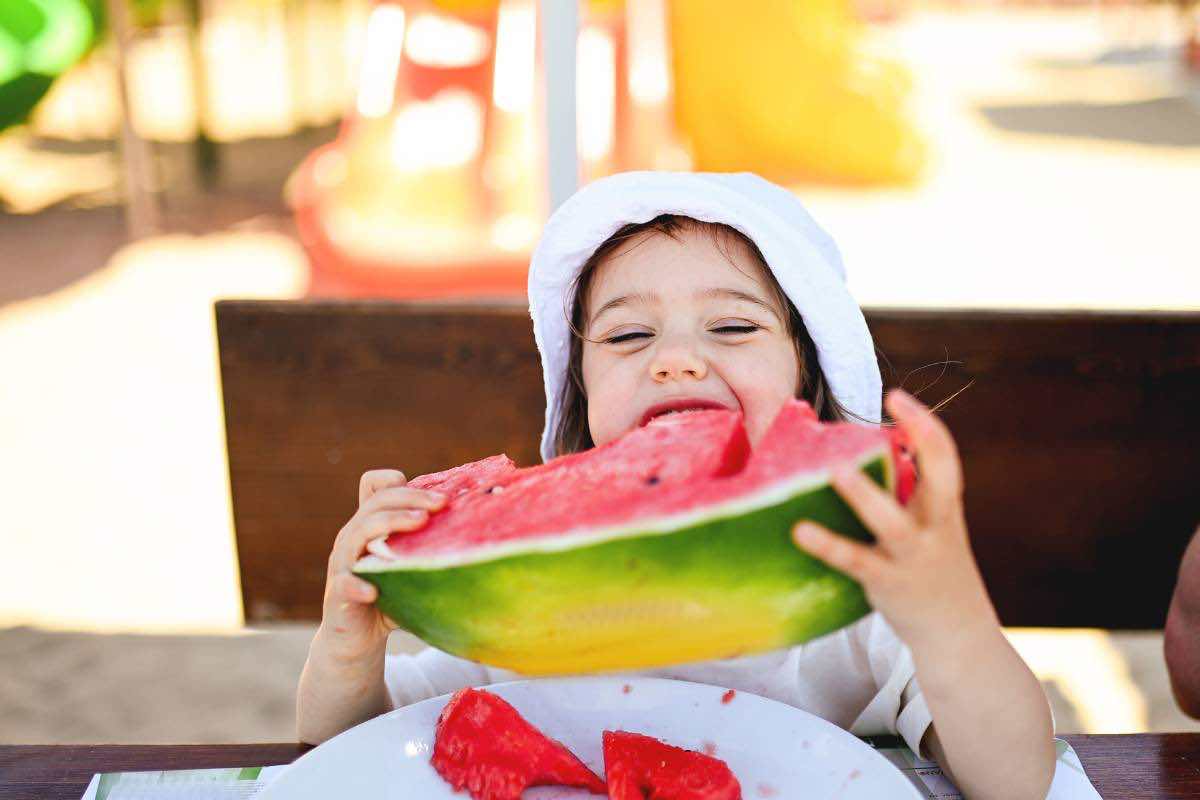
574, 538
737, 557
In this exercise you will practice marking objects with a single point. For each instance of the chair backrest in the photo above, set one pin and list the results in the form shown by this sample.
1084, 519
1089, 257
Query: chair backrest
1079, 435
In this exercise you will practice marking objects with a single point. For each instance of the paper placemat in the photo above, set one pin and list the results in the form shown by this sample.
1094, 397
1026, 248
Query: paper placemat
1070, 781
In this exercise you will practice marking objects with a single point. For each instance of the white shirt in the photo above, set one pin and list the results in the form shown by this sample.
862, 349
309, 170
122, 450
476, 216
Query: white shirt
860, 678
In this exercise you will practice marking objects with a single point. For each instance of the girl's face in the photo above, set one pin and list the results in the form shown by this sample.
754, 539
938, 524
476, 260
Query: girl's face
672, 324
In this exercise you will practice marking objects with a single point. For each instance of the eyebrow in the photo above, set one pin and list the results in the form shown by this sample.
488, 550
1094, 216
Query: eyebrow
713, 293
734, 294
625, 300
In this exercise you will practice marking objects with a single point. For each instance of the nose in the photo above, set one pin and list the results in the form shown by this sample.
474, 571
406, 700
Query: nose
675, 362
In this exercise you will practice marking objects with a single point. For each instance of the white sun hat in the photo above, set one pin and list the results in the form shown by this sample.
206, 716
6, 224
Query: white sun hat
803, 257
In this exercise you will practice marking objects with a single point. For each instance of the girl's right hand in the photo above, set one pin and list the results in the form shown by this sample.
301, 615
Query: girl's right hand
352, 628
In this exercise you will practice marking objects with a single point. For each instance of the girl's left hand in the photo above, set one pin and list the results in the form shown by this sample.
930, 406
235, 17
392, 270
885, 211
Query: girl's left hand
920, 573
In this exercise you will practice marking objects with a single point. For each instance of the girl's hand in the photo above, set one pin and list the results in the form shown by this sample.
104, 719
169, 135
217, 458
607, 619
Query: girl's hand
352, 628
920, 574
992, 730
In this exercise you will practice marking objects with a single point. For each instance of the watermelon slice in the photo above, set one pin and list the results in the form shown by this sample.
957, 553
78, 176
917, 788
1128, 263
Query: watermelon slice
484, 746
639, 767
671, 544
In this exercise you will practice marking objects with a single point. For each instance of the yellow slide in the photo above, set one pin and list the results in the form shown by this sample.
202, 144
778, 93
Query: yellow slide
780, 87
783, 88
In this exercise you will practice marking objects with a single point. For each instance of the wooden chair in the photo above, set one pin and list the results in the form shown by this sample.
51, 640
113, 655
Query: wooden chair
1079, 434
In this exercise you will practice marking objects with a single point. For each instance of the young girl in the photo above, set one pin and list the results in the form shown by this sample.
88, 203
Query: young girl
700, 290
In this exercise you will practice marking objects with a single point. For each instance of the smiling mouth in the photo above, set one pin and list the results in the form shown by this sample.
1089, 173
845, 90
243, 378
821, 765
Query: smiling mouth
678, 407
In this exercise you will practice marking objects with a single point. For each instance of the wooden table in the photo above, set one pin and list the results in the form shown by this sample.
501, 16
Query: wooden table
1124, 766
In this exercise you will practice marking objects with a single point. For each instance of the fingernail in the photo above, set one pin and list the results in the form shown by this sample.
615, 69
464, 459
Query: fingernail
378, 547
802, 532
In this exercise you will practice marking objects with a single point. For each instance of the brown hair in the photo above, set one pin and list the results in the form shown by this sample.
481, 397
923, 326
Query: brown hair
572, 435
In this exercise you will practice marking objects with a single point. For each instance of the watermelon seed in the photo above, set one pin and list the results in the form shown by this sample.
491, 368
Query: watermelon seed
652, 480
495, 490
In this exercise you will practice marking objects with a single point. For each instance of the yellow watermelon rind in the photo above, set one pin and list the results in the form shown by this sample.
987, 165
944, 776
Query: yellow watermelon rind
716, 582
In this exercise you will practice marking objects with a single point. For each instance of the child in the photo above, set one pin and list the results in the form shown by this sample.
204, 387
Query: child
719, 290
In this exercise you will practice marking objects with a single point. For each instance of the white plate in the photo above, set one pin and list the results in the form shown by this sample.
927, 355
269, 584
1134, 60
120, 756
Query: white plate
775, 751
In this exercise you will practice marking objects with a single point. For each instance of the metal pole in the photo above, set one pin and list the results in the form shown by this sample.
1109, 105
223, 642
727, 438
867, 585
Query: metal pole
559, 31
142, 216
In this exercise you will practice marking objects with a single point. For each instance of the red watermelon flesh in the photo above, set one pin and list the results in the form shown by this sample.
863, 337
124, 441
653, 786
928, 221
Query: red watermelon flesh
906, 465
667, 467
671, 544
484, 746
639, 767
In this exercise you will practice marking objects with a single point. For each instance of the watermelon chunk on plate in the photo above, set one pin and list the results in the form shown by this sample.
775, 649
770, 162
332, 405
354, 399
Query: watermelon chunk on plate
485, 746
641, 767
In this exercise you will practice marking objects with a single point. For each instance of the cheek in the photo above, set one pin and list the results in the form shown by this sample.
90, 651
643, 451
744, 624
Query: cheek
594, 369
773, 373
763, 384
604, 387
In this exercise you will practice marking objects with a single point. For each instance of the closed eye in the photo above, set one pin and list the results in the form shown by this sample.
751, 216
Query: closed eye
735, 329
626, 337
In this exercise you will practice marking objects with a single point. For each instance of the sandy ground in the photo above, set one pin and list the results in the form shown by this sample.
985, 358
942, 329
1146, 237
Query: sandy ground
71, 687
1066, 174
64, 687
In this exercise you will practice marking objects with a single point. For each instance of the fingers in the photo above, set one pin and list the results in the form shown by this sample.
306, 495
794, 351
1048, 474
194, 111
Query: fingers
352, 540
400, 497
939, 490
376, 479
349, 611
379, 547
349, 588
859, 561
386, 505
877, 509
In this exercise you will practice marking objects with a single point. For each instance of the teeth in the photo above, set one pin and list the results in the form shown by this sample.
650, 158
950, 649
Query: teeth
662, 414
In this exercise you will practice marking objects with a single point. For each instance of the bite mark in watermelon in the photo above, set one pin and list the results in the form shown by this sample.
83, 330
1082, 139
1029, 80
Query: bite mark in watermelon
484, 746
640, 767
671, 544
